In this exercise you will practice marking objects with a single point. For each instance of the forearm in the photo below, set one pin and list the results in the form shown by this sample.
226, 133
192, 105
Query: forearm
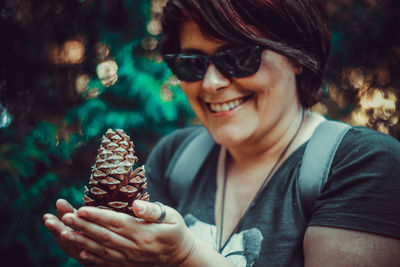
204, 256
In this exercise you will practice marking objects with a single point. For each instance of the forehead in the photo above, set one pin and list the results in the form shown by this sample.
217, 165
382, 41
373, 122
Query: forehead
191, 37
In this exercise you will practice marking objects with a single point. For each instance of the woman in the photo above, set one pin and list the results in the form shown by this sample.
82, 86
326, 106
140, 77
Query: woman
250, 70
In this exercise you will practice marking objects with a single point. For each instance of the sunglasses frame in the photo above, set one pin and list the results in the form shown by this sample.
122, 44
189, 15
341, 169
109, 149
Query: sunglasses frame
228, 70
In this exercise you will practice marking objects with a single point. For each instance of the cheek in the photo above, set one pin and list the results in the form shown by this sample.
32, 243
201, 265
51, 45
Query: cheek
185, 86
188, 89
192, 92
275, 74
261, 82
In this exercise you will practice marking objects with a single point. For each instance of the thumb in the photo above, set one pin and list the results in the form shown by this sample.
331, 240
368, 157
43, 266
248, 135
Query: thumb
152, 211
64, 207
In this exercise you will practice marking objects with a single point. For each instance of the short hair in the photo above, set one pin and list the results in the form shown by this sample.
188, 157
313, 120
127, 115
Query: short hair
298, 30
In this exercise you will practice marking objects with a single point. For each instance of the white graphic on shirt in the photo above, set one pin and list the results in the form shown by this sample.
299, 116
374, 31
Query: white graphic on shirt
242, 249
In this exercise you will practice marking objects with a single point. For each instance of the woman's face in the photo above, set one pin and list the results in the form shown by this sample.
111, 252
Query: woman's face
257, 104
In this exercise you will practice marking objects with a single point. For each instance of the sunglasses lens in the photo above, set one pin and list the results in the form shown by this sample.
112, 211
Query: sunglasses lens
239, 63
232, 63
189, 68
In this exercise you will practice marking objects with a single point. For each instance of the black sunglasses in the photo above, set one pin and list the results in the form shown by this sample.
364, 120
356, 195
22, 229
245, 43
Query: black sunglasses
232, 63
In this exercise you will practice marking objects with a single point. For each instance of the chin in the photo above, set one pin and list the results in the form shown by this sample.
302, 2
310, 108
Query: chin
227, 138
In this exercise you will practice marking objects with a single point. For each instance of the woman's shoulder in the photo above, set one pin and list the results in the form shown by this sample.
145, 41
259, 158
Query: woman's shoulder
363, 139
172, 142
366, 150
178, 137
363, 186
162, 155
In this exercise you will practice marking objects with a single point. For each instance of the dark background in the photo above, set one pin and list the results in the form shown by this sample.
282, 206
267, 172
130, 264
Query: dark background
60, 91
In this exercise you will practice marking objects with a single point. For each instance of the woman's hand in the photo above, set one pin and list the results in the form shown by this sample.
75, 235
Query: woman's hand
112, 238
61, 232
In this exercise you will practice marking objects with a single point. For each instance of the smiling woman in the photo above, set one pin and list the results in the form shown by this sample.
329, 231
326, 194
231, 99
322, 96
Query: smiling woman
250, 69
269, 89
286, 27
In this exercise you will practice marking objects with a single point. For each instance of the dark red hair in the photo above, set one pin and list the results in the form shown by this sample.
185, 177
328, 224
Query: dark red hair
296, 29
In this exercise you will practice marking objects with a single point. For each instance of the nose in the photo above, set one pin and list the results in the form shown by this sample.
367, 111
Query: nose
214, 80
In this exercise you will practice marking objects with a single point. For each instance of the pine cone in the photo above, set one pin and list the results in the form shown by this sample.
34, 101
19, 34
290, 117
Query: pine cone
113, 183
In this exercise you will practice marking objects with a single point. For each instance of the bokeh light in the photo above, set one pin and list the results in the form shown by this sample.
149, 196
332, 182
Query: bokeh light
5, 117
358, 78
359, 117
93, 93
107, 71
166, 94
154, 27
174, 81
158, 5
102, 51
338, 95
81, 83
149, 43
375, 98
368, 93
377, 109
70, 52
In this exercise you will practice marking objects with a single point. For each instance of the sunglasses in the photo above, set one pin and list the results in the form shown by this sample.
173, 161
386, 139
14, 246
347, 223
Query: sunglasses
232, 63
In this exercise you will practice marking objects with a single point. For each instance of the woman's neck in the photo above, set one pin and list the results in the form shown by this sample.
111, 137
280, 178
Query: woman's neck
268, 149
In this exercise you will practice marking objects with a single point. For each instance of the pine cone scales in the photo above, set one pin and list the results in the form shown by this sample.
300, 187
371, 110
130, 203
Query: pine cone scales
113, 183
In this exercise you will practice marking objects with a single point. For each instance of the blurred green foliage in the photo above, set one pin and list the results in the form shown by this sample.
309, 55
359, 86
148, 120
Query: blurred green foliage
47, 151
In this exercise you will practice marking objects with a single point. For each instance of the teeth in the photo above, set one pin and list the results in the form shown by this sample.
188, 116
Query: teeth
226, 106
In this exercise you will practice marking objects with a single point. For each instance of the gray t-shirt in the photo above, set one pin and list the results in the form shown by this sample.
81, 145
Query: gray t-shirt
362, 193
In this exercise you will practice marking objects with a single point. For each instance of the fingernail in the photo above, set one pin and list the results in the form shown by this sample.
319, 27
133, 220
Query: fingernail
140, 207
68, 220
71, 236
82, 213
84, 255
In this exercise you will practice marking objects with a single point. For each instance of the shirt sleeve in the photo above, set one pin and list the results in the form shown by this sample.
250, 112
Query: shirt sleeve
363, 188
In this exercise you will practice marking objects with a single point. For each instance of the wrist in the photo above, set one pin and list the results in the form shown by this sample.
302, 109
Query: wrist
201, 255
188, 247
186, 259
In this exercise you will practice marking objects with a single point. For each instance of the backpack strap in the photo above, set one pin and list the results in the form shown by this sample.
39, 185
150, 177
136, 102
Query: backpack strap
314, 170
317, 160
182, 170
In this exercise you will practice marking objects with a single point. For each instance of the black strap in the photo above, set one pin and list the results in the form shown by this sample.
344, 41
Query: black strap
317, 160
185, 168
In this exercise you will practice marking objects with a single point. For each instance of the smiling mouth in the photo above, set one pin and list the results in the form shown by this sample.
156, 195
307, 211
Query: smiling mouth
228, 105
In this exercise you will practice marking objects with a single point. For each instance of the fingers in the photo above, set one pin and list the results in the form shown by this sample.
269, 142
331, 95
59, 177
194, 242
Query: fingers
100, 262
93, 260
59, 231
114, 221
82, 241
153, 212
99, 239
54, 225
48, 216
119, 237
63, 207
87, 259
